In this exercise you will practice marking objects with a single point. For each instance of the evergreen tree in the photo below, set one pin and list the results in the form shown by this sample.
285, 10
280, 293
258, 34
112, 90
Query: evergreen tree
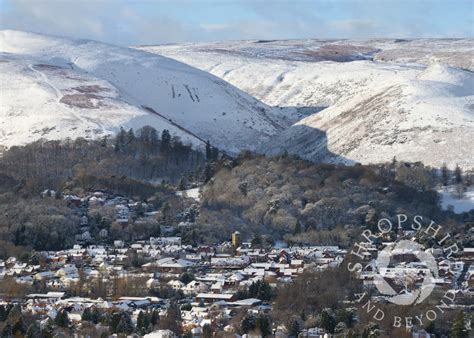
444, 175
394, 162
130, 137
198, 172
33, 331
3, 313
182, 183
328, 321
48, 329
249, 323
345, 316
297, 227
215, 153
186, 277
171, 321
294, 327
155, 317
147, 322
140, 320
263, 324
208, 172
62, 319
459, 327
86, 315
121, 140
165, 145
95, 315
117, 146
125, 324
206, 331
261, 290
166, 212
458, 175
208, 151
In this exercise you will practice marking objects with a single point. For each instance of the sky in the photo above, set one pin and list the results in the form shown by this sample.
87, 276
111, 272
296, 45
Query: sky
134, 22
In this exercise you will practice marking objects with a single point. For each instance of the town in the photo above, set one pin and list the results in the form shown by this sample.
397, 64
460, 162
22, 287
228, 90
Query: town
162, 287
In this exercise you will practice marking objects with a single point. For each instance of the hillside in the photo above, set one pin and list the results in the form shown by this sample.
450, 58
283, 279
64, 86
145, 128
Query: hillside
55, 88
364, 101
284, 197
428, 119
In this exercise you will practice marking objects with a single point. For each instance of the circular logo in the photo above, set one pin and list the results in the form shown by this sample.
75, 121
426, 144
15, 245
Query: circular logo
403, 270
405, 273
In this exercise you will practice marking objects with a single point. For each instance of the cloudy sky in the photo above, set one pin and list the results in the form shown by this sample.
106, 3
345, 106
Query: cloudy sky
128, 22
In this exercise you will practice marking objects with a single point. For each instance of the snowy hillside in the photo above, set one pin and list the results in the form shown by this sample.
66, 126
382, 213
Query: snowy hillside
428, 119
56, 88
368, 100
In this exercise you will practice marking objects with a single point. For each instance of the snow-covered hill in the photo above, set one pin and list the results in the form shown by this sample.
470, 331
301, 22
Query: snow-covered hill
429, 118
368, 100
55, 88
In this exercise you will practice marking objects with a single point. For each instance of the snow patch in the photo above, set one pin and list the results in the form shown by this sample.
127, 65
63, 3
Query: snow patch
449, 199
190, 193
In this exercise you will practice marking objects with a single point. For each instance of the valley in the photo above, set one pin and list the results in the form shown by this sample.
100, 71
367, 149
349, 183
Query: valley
367, 100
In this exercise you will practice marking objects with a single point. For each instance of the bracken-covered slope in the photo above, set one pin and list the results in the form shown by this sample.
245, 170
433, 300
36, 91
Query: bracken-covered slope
365, 101
56, 88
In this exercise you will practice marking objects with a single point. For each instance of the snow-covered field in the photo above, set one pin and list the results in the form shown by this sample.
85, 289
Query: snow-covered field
449, 198
368, 100
191, 193
55, 88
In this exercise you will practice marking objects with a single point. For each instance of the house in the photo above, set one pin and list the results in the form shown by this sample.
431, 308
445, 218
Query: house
217, 286
161, 334
230, 262
73, 200
84, 221
195, 287
103, 233
45, 275
215, 297
162, 241
119, 244
314, 332
122, 213
246, 302
68, 270
49, 295
468, 254
296, 263
172, 265
153, 283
